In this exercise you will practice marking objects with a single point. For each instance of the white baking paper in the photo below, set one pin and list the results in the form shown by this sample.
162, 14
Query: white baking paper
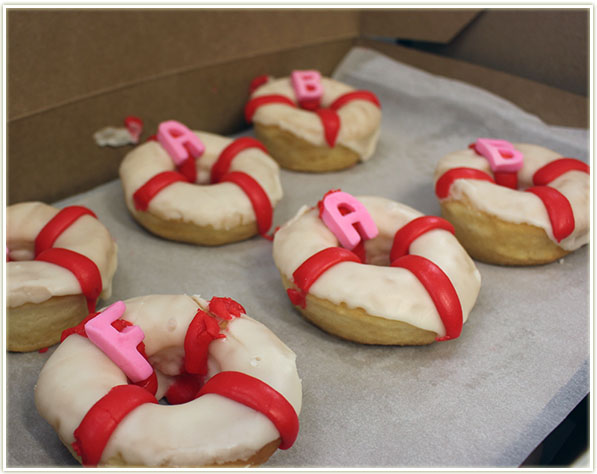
483, 400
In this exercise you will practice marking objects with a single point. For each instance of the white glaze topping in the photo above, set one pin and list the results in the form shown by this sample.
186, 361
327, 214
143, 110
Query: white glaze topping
383, 291
359, 120
517, 206
30, 281
222, 205
208, 430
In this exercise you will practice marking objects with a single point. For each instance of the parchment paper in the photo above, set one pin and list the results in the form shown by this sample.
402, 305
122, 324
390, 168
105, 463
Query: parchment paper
485, 399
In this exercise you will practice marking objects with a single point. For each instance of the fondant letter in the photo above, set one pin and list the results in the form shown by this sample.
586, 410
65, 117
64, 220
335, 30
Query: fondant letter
501, 154
180, 142
307, 88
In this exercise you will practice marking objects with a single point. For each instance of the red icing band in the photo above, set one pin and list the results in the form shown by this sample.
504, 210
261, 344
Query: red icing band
226, 308
222, 165
312, 268
406, 235
103, 418
558, 209
360, 252
442, 186
57, 225
152, 138
184, 389
188, 168
202, 330
259, 200
506, 179
83, 268
259, 396
546, 174
257, 102
440, 289
257, 82
355, 95
79, 328
143, 196
331, 124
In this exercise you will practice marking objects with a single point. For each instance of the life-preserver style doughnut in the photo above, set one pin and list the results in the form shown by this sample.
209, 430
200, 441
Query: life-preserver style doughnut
232, 386
333, 129
59, 263
514, 204
411, 284
224, 193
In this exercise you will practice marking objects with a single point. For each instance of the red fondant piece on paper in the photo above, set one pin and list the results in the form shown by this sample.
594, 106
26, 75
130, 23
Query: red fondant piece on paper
184, 389
202, 330
57, 225
259, 199
259, 396
257, 82
222, 165
546, 174
103, 418
440, 289
143, 196
43, 350
257, 102
312, 268
83, 268
442, 186
506, 179
331, 125
226, 308
558, 209
134, 125
406, 235
354, 95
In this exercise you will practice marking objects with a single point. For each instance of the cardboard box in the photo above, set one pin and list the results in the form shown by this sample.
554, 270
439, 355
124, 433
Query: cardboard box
72, 72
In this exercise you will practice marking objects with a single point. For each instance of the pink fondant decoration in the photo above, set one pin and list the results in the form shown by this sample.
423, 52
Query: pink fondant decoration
307, 86
120, 347
179, 141
501, 154
351, 227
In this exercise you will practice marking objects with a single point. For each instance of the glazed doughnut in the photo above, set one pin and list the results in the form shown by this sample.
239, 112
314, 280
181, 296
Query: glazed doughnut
533, 213
59, 263
411, 284
232, 386
224, 194
331, 129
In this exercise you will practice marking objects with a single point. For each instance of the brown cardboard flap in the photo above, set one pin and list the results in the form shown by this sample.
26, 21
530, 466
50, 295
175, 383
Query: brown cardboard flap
439, 26
56, 57
554, 106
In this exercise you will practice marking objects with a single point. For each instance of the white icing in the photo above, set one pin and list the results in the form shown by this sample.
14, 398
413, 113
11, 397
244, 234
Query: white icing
383, 291
359, 120
517, 206
30, 281
222, 205
207, 430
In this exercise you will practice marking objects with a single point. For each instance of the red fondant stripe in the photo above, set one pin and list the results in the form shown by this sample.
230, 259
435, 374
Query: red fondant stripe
558, 209
143, 196
201, 331
57, 225
440, 289
506, 179
257, 82
355, 95
546, 174
257, 102
442, 186
312, 268
413, 230
83, 268
331, 125
259, 199
222, 165
259, 396
103, 418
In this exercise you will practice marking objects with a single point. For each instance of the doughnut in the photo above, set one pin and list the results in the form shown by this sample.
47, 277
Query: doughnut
224, 194
514, 204
228, 388
406, 281
59, 262
313, 123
